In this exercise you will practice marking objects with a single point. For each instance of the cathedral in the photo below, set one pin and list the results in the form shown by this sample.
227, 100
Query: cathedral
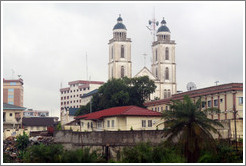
163, 67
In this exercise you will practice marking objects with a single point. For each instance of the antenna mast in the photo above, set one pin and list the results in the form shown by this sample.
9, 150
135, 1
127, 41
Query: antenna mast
152, 25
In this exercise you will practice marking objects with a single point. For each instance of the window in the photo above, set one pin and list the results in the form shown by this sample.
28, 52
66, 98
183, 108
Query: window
61, 103
156, 55
112, 53
88, 125
91, 124
68, 102
149, 123
158, 109
161, 108
167, 73
166, 108
209, 103
168, 93
108, 123
240, 100
61, 98
165, 93
12, 83
221, 100
122, 52
167, 54
11, 102
122, 71
203, 104
112, 123
112, 72
143, 123
71, 96
10, 114
11, 90
215, 103
11, 96
156, 73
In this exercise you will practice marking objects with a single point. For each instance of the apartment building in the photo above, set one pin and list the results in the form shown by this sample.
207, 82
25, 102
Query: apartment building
13, 91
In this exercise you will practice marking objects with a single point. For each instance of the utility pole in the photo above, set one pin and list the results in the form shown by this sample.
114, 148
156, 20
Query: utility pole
235, 124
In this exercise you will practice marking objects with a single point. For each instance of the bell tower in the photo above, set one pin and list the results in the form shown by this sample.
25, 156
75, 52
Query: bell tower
120, 64
164, 65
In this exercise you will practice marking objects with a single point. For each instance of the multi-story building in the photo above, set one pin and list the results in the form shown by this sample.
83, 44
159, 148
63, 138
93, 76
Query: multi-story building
228, 98
33, 113
13, 92
71, 96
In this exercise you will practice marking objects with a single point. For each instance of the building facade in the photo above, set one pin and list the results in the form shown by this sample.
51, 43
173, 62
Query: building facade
71, 96
121, 118
33, 113
119, 64
13, 91
226, 97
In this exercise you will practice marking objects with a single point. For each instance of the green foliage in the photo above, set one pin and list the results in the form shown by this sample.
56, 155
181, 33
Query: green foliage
58, 126
22, 141
131, 128
81, 156
43, 153
7, 158
146, 153
120, 92
189, 125
225, 154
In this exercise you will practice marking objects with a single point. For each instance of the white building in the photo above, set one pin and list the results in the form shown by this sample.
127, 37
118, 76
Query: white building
71, 96
163, 68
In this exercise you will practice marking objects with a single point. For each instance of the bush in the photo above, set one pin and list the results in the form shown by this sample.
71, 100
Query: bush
43, 153
81, 156
22, 141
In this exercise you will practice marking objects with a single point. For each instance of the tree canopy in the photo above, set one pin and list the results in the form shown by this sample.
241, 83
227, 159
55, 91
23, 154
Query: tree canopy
120, 92
186, 123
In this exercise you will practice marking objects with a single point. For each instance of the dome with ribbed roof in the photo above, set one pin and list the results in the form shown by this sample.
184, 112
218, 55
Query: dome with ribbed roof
163, 27
119, 24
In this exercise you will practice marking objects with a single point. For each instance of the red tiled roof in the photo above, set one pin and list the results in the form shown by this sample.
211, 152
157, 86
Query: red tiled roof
120, 111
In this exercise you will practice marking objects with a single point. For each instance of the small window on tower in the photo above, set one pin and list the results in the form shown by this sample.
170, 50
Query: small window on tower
156, 55
112, 53
122, 52
167, 73
122, 72
167, 54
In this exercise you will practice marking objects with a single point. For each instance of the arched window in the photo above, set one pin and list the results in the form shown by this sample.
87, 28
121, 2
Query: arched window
156, 72
112, 72
122, 52
122, 71
167, 54
112, 53
168, 93
165, 93
156, 55
167, 73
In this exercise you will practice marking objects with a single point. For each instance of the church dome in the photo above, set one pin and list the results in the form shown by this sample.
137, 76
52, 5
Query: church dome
119, 24
163, 27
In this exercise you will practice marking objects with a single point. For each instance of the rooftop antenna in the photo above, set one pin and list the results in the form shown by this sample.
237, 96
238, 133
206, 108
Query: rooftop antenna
216, 82
86, 67
144, 55
152, 25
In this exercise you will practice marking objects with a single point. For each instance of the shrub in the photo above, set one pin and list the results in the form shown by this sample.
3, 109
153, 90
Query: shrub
22, 141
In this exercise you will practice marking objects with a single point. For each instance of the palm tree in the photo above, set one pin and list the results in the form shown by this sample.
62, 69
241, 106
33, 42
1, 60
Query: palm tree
187, 124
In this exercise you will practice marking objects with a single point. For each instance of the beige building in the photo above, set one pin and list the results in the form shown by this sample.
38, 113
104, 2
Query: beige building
13, 92
121, 118
119, 64
227, 97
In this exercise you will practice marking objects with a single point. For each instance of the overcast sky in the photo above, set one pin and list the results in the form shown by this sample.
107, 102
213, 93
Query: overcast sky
46, 43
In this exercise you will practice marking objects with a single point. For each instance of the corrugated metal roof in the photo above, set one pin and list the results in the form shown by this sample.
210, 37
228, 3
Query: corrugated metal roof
90, 93
12, 107
38, 121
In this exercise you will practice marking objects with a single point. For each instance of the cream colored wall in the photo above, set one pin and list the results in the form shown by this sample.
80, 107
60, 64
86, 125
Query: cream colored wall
36, 128
11, 119
136, 123
116, 124
74, 128
8, 132
84, 126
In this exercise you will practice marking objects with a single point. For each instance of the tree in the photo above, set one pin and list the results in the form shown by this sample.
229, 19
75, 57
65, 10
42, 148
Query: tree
187, 124
22, 141
120, 92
